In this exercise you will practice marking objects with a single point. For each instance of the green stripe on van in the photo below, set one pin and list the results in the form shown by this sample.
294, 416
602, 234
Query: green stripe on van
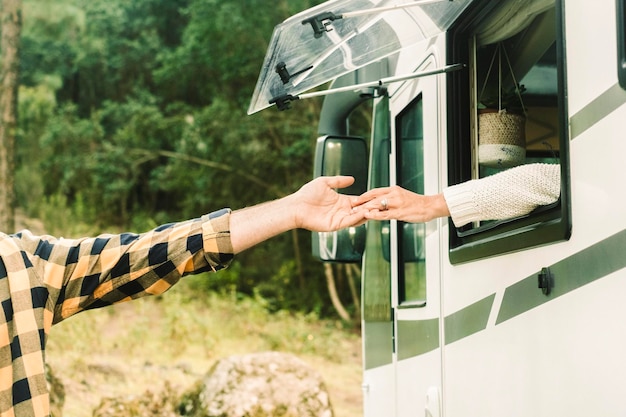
416, 337
378, 343
469, 320
569, 274
597, 110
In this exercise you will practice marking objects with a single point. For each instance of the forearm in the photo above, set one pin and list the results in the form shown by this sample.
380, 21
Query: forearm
438, 206
417, 208
253, 225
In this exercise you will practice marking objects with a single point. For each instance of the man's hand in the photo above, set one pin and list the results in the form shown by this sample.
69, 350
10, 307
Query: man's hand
320, 208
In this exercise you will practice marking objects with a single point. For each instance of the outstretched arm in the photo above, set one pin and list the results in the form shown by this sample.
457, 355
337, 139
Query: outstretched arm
316, 207
94, 272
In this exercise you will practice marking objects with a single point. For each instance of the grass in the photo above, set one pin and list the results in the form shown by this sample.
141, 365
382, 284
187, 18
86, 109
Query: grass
169, 342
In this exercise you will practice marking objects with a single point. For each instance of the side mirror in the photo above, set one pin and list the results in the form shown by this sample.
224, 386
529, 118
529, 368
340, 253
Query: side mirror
341, 155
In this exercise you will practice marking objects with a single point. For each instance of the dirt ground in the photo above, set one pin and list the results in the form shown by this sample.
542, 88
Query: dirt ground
94, 368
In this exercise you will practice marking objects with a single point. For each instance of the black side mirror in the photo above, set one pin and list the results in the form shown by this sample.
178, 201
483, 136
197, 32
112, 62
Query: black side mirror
341, 155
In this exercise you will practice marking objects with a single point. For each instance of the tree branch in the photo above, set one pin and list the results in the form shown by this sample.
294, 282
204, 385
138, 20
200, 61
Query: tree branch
216, 165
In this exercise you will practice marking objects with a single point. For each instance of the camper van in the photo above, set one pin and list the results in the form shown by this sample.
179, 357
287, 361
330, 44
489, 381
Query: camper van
517, 317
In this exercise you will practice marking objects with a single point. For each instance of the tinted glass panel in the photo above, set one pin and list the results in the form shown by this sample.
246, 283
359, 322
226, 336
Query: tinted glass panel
410, 137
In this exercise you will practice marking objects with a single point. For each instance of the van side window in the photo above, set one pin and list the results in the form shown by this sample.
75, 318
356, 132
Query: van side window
509, 109
377, 268
411, 236
377, 311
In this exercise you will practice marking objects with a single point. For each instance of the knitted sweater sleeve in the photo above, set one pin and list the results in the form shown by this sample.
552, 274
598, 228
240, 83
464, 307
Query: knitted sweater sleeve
511, 193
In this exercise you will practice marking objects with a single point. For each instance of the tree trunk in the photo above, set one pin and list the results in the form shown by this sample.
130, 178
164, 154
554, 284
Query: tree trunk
298, 256
354, 272
10, 45
332, 291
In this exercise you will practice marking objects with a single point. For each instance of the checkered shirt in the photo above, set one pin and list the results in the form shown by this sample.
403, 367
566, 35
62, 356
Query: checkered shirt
44, 280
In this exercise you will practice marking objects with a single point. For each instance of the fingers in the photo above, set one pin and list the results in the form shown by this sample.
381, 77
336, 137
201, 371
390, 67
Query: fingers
370, 195
381, 203
376, 215
353, 220
339, 181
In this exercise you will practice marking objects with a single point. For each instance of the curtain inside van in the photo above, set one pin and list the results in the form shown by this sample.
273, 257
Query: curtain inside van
511, 17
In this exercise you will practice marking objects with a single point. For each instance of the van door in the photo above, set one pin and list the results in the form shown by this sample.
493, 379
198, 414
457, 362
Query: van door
416, 250
401, 265
378, 323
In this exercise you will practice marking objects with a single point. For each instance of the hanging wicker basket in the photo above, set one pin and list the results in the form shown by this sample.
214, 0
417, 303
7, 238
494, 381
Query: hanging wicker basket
502, 138
501, 132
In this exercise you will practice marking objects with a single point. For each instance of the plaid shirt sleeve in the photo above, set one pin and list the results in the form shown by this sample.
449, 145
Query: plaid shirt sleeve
44, 280
101, 271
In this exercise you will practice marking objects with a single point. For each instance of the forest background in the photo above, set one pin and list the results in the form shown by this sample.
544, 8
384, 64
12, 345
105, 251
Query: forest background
129, 115
133, 114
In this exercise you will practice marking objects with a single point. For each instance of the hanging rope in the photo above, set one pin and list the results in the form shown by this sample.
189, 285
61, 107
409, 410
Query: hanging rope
498, 53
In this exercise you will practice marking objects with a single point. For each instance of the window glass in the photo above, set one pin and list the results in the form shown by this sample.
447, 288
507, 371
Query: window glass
537, 95
376, 262
517, 97
411, 236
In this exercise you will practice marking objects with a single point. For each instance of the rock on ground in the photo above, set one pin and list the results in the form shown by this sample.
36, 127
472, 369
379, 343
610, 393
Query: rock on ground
259, 385
149, 404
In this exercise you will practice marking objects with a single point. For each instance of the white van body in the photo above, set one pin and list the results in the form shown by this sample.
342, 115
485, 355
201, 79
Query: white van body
481, 336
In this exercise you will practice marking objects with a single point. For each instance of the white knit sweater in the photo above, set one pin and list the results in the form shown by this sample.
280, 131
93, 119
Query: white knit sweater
511, 193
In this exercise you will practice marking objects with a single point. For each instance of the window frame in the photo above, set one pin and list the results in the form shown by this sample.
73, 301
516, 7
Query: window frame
542, 226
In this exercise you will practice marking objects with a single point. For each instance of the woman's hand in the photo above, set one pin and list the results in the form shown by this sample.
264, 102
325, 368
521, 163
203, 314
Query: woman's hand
398, 203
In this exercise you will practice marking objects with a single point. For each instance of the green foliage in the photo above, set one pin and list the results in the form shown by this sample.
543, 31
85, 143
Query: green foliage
36, 106
273, 293
133, 114
509, 100
62, 219
51, 39
66, 147
29, 191
221, 51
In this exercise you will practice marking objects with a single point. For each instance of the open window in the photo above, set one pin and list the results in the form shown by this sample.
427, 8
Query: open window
514, 52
